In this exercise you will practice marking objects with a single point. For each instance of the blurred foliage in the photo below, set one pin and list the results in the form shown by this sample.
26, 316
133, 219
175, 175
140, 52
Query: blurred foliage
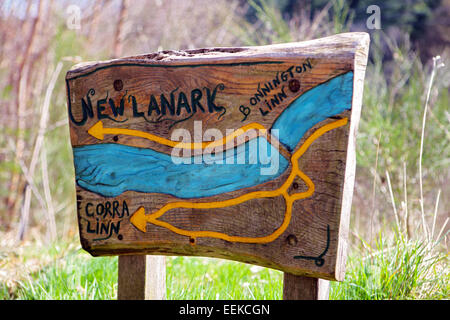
411, 16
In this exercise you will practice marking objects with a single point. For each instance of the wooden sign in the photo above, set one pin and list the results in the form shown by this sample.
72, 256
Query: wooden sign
238, 153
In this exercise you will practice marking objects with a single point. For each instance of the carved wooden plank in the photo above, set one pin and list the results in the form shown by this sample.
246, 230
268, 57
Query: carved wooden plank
272, 188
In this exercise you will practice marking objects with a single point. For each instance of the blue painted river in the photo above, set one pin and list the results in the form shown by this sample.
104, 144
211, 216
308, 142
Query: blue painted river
111, 169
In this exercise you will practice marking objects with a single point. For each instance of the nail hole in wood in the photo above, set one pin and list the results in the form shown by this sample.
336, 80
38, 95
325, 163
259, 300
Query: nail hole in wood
118, 85
294, 85
291, 240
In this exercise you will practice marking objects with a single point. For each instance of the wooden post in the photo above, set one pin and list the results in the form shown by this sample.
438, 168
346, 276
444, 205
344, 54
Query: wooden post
304, 288
142, 278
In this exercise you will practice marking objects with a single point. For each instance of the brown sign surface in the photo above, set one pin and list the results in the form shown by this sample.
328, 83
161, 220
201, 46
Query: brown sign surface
239, 153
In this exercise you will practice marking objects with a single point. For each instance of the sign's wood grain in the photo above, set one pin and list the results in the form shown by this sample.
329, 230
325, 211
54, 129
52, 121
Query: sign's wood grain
274, 186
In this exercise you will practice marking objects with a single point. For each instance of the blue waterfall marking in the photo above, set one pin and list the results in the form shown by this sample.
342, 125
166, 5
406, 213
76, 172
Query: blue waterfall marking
111, 169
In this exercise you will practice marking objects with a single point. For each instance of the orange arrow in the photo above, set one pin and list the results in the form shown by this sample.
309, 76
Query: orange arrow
139, 219
98, 131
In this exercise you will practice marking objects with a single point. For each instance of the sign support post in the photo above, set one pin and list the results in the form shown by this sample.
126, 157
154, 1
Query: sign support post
141, 277
304, 288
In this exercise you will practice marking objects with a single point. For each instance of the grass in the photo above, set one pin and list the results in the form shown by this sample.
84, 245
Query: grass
207, 278
75, 277
398, 269
80, 276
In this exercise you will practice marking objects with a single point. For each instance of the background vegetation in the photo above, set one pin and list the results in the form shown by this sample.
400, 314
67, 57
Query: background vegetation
401, 201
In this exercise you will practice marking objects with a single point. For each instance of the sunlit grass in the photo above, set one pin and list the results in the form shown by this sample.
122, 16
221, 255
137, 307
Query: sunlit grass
207, 278
398, 269
80, 276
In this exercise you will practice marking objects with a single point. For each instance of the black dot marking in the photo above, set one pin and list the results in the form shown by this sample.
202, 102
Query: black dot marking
118, 85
